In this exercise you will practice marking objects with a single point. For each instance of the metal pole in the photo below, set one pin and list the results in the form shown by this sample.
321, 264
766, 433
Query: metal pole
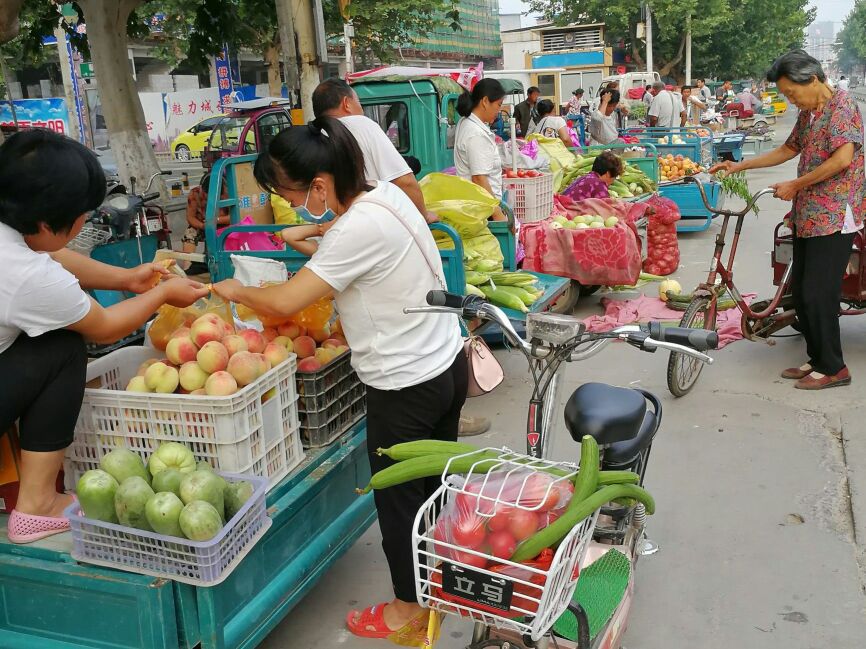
348, 33
689, 51
649, 39
68, 81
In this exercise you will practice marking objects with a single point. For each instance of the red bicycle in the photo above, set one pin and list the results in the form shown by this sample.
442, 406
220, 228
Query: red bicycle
761, 319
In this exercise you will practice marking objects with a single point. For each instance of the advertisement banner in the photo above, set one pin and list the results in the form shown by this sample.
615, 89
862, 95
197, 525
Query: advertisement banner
188, 107
224, 77
51, 113
153, 105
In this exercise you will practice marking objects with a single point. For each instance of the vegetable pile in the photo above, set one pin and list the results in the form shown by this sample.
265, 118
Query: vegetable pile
633, 182
510, 290
173, 495
534, 511
663, 252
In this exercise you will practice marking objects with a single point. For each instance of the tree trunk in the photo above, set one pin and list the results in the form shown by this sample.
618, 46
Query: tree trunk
9, 19
636, 56
674, 62
306, 30
124, 117
271, 56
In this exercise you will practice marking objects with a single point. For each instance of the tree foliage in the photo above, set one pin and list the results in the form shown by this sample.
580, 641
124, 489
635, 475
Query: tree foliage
852, 39
729, 37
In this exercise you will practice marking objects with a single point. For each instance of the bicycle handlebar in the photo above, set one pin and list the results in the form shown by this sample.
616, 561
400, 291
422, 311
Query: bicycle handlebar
703, 193
150, 197
684, 341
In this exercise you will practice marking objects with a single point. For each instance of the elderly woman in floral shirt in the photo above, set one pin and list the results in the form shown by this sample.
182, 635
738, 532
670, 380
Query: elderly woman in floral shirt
829, 204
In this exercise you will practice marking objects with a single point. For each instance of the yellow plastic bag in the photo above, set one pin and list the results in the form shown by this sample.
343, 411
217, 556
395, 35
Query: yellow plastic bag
560, 156
170, 318
422, 631
459, 203
484, 246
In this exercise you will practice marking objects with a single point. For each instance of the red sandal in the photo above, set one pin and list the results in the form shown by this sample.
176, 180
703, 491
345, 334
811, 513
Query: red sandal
373, 616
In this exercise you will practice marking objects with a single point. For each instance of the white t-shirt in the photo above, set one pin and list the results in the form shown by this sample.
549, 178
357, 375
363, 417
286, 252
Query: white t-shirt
376, 269
548, 126
37, 294
843, 84
476, 154
667, 107
602, 127
382, 161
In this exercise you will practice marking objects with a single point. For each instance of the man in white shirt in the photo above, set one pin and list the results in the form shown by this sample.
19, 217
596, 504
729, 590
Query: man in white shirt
336, 98
666, 110
704, 93
843, 83
693, 105
602, 127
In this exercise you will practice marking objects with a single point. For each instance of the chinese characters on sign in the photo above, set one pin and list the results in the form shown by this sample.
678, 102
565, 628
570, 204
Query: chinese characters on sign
224, 77
50, 113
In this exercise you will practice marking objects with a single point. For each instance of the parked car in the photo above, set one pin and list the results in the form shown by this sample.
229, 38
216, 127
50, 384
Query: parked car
192, 141
246, 128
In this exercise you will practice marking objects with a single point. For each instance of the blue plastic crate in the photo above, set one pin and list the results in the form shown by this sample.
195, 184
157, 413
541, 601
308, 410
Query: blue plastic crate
695, 216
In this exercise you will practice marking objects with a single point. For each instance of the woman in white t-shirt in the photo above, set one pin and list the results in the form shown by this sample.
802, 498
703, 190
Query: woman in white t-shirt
48, 184
376, 256
550, 125
476, 157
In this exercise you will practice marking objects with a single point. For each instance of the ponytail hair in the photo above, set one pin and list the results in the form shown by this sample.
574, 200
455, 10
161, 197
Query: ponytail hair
300, 153
468, 101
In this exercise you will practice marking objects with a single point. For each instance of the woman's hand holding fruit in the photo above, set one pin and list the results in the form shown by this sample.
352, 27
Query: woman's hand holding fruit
181, 292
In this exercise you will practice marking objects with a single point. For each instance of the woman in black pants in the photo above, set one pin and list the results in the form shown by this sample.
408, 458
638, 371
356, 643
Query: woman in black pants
376, 256
829, 197
48, 184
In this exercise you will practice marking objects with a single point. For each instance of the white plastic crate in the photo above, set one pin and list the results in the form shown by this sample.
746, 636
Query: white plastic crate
537, 596
254, 431
200, 563
531, 199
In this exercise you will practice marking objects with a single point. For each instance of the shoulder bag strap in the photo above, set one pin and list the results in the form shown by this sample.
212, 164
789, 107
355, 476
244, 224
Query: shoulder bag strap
396, 214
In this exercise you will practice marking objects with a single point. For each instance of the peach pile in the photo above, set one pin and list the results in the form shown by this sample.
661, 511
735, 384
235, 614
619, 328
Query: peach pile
211, 358
315, 348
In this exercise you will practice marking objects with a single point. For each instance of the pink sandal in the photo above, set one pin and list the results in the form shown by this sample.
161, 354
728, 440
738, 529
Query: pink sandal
26, 528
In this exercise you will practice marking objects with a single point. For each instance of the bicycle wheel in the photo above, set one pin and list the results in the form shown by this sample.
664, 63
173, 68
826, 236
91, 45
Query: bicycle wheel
683, 371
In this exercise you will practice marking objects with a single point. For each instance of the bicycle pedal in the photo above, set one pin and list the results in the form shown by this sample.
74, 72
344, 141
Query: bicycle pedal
648, 548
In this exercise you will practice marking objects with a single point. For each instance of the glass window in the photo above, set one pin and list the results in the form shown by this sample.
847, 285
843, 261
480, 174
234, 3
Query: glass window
453, 118
226, 135
209, 123
547, 85
272, 124
394, 120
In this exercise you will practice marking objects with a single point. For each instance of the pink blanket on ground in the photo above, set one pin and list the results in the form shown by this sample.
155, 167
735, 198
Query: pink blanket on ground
644, 309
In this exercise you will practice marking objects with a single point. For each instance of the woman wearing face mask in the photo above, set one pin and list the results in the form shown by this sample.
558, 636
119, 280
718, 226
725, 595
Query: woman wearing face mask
476, 157
376, 256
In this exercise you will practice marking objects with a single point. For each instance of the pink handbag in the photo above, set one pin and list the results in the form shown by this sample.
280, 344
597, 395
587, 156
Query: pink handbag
485, 372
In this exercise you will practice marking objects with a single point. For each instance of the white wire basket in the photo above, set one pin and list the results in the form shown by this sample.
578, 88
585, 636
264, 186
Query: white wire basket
88, 239
526, 598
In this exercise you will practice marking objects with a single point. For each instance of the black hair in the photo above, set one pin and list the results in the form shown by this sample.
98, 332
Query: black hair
607, 162
544, 107
797, 66
531, 90
47, 178
724, 81
841, 77
701, 79
614, 96
204, 183
301, 153
577, 92
490, 88
329, 94
687, 88
414, 164
647, 88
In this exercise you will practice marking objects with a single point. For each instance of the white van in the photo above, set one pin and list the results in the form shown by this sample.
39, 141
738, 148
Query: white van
632, 80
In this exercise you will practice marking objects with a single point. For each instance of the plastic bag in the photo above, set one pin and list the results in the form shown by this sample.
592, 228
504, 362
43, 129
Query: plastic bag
485, 247
491, 515
663, 252
421, 631
250, 240
459, 203
170, 318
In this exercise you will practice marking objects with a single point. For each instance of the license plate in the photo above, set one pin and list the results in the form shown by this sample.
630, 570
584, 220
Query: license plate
474, 586
154, 225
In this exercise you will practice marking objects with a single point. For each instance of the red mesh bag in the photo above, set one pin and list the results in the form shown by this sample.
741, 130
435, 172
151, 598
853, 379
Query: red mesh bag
663, 251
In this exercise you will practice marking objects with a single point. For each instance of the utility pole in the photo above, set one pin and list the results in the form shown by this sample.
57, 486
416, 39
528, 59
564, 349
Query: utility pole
649, 39
297, 16
689, 50
68, 87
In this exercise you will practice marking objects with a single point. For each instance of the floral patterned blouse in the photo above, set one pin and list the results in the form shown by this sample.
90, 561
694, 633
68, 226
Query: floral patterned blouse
587, 186
820, 210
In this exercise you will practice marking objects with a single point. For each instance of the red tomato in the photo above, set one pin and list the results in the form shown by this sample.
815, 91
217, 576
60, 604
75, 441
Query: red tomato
468, 530
439, 534
538, 490
521, 173
522, 524
502, 544
499, 521
470, 560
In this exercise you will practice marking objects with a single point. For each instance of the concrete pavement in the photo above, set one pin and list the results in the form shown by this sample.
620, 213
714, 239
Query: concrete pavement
761, 489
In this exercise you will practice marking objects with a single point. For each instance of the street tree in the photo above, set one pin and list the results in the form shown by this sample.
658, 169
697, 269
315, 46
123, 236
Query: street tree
852, 39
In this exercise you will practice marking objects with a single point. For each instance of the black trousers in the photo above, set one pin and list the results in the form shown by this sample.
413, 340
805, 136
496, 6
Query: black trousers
430, 410
816, 286
41, 386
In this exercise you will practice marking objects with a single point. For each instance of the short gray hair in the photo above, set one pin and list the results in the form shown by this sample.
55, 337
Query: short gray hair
658, 85
798, 67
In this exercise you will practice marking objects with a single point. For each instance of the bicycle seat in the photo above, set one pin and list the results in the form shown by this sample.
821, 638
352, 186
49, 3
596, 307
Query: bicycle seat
622, 455
607, 413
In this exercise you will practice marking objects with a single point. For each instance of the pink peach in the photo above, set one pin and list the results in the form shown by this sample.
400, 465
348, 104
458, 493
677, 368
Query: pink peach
269, 333
276, 353
192, 376
235, 344
244, 367
180, 332
264, 365
291, 330
220, 384
213, 357
143, 367
332, 342
286, 342
207, 328
321, 335
255, 341
181, 350
309, 365
304, 346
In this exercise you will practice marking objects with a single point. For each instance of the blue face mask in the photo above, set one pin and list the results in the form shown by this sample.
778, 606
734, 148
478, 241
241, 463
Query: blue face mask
309, 217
